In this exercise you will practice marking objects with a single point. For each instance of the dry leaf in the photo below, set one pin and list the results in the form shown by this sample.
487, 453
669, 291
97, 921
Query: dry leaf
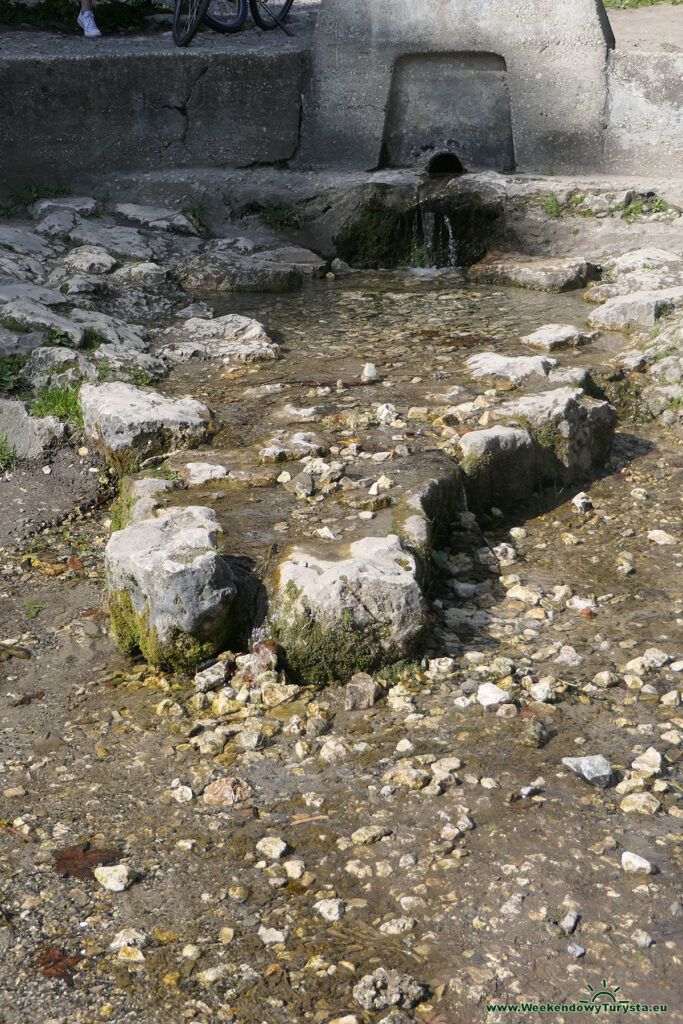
57, 964
78, 860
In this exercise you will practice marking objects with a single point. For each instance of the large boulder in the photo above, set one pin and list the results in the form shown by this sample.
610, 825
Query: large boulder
335, 618
637, 309
222, 268
29, 436
542, 273
232, 339
573, 433
170, 590
132, 424
500, 464
35, 315
512, 368
56, 367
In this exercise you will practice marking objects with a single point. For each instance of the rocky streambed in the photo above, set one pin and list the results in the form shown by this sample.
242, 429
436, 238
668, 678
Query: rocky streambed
341, 618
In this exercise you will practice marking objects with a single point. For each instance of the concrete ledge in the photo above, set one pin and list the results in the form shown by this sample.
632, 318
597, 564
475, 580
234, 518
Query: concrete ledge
140, 103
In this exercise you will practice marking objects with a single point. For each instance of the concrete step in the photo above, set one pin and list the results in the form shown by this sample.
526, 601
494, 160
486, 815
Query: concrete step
75, 105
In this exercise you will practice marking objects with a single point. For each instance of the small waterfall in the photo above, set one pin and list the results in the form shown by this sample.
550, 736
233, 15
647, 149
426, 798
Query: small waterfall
452, 244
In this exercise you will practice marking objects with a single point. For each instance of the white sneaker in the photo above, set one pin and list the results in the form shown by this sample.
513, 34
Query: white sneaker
86, 20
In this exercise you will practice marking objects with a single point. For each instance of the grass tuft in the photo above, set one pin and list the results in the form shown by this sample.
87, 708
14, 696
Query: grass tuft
8, 456
61, 402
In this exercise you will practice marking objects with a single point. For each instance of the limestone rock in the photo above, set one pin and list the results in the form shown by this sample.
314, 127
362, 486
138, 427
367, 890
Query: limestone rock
542, 273
595, 770
383, 988
115, 877
572, 432
336, 616
500, 463
640, 803
29, 436
194, 474
227, 792
10, 290
125, 418
637, 309
631, 863
36, 315
361, 692
89, 259
170, 590
232, 339
220, 268
157, 218
512, 368
56, 367
552, 336
491, 696
18, 343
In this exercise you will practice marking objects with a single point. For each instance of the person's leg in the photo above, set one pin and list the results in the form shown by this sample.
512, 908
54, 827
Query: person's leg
86, 20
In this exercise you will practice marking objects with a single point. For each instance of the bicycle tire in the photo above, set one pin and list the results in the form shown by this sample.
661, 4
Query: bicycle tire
226, 15
280, 8
187, 17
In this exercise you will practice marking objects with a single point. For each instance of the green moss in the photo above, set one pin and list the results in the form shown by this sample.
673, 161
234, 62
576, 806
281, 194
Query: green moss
180, 653
549, 437
316, 653
119, 513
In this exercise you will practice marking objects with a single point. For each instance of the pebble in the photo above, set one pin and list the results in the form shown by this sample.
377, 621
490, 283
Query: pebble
640, 803
272, 936
595, 770
576, 950
128, 937
114, 877
491, 696
661, 537
294, 868
632, 863
272, 847
649, 762
330, 909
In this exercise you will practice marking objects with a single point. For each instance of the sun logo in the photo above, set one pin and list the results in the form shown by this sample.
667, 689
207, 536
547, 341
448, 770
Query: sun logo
602, 995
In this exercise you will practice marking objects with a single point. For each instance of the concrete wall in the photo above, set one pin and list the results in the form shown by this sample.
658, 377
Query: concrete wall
64, 116
645, 112
450, 102
555, 55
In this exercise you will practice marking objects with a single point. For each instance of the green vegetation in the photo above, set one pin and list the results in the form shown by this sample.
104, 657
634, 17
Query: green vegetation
10, 372
281, 215
62, 14
59, 401
181, 653
199, 215
33, 609
641, 207
31, 193
11, 323
624, 4
552, 206
8, 457
140, 377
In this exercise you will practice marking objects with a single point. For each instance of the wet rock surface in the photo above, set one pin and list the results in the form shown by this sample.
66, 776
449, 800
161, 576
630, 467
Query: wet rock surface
254, 841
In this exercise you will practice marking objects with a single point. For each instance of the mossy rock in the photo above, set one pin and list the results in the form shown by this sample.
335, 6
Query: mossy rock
179, 653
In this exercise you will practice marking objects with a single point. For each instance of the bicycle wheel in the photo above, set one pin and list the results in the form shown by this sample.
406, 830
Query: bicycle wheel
265, 12
187, 17
226, 15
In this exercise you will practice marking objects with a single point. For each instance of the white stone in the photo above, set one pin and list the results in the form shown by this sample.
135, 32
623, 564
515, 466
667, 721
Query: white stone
552, 336
272, 847
231, 339
115, 877
632, 863
272, 936
491, 696
661, 537
330, 909
123, 417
